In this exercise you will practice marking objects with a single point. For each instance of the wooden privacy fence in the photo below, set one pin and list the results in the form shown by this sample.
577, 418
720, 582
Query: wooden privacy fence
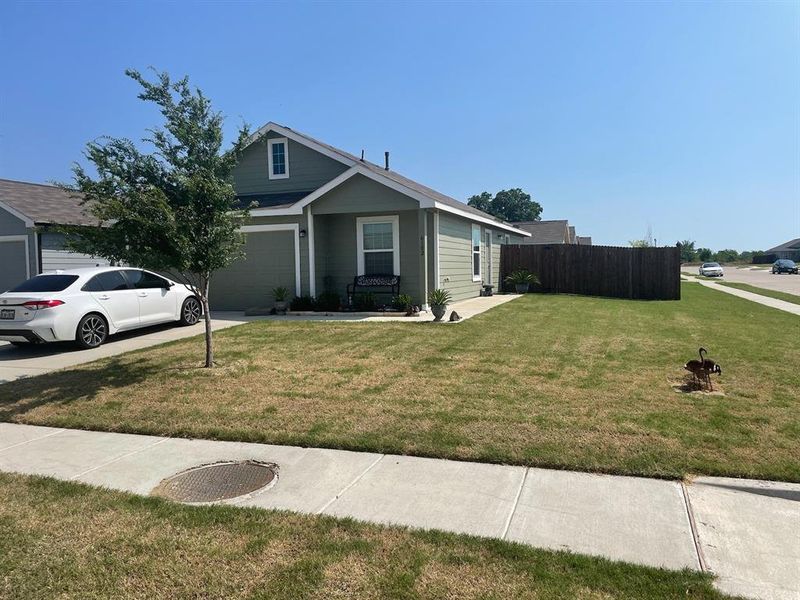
637, 273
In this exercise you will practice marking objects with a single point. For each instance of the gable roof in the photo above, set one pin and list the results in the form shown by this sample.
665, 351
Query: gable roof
546, 232
787, 247
42, 204
428, 197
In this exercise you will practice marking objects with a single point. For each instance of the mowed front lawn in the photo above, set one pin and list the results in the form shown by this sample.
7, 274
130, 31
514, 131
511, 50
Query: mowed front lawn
553, 381
67, 540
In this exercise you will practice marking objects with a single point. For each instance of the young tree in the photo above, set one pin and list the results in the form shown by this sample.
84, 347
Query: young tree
510, 205
640, 244
687, 250
174, 209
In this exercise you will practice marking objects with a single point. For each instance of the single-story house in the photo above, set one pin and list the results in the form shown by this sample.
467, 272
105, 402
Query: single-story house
28, 243
790, 250
557, 231
321, 216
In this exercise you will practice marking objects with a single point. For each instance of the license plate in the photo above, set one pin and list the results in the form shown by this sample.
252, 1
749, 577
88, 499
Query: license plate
7, 313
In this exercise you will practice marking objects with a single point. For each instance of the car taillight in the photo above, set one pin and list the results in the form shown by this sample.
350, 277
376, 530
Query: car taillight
40, 304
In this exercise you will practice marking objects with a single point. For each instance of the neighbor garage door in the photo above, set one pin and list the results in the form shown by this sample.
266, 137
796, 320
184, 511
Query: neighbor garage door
13, 267
269, 262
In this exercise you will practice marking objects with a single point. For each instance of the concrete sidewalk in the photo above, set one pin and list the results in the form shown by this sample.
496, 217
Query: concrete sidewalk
745, 532
765, 300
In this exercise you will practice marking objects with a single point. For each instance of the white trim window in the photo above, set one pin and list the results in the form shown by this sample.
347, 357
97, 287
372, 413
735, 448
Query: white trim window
378, 245
476, 252
278, 158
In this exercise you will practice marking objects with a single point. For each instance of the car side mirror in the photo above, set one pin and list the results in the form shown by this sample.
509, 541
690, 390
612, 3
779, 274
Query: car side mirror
167, 285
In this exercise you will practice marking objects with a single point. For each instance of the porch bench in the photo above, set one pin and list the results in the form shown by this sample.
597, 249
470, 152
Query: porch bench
373, 283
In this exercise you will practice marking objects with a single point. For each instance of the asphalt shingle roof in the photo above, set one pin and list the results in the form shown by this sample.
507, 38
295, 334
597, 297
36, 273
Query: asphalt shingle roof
545, 232
44, 204
398, 178
790, 245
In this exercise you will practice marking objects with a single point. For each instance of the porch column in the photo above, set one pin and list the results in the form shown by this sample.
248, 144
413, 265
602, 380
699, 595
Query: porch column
312, 267
423, 258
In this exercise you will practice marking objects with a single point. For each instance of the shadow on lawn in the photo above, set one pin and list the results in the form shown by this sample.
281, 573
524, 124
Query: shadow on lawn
22, 396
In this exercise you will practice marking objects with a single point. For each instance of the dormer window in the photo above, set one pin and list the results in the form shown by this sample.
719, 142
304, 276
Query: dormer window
278, 153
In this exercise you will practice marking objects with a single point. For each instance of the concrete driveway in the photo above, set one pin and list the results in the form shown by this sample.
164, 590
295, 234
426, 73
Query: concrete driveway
762, 278
16, 362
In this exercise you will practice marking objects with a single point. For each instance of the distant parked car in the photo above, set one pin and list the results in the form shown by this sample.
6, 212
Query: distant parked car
784, 265
711, 269
87, 305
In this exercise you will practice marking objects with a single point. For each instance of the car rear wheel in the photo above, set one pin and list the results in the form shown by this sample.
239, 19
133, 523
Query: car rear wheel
92, 331
190, 311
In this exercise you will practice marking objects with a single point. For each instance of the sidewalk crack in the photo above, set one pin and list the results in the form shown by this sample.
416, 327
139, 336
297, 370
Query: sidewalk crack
349, 485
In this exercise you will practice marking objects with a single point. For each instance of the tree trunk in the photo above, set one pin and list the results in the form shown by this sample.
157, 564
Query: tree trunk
207, 317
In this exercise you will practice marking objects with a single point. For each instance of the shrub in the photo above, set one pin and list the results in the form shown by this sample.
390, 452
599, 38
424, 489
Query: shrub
281, 294
439, 297
365, 301
328, 301
401, 302
521, 277
302, 303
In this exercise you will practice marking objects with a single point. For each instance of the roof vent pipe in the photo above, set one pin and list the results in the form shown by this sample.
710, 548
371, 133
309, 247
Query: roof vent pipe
362, 155
386, 154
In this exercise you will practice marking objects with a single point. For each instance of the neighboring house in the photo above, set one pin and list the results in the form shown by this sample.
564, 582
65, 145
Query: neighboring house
28, 243
322, 216
557, 231
790, 250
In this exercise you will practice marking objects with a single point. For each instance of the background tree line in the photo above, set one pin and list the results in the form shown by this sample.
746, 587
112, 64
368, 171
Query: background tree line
691, 254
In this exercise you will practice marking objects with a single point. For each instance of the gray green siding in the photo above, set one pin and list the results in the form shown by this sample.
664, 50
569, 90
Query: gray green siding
455, 257
361, 194
337, 248
335, 218
308, 169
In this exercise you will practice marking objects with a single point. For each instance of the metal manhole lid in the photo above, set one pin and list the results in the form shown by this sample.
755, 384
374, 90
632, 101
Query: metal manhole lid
217, 481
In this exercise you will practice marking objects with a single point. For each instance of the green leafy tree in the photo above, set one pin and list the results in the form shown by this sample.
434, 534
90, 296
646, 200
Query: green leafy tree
640, 244
686, 248
482, 201
727, 255
704, 254
173, 209
510, 205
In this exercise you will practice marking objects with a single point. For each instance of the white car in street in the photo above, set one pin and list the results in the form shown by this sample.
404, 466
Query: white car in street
88, 305
711, 269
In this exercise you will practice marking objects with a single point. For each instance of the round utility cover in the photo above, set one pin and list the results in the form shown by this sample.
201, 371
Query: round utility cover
218, 481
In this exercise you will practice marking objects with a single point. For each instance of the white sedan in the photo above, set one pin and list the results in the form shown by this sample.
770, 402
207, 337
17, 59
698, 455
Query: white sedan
88, 305
711, 269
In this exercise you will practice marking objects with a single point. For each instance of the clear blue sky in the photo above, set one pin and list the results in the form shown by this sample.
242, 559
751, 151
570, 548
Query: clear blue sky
684, 117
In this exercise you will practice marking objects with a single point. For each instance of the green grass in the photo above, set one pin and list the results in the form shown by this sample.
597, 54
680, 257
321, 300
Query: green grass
785, 296
555, 381
67, 540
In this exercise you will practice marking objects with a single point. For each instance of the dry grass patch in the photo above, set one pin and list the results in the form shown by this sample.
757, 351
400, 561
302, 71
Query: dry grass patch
553, 381
67, 540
